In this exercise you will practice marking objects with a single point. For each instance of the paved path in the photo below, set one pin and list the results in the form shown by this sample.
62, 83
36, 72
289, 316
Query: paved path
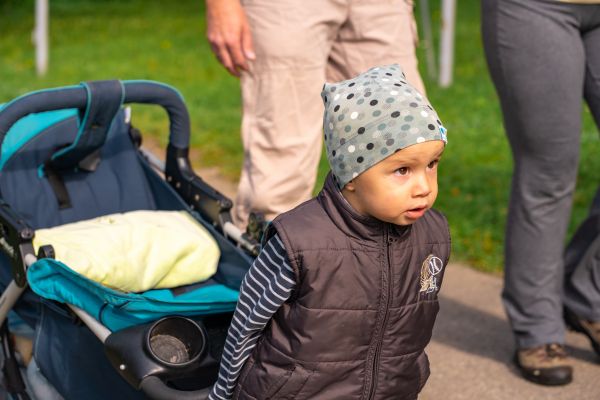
472, 346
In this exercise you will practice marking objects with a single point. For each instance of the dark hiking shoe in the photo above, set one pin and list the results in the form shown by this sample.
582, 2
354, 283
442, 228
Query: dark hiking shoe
591, 329
545, 365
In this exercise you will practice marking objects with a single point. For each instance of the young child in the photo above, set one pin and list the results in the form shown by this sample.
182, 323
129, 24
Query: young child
341, 302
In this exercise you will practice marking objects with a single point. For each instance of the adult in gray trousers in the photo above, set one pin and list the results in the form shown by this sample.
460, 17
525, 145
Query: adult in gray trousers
544, 58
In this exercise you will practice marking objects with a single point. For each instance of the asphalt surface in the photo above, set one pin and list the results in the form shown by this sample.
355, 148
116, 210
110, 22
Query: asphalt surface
472, 348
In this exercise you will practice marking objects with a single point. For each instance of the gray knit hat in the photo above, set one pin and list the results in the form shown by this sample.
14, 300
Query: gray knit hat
369, 117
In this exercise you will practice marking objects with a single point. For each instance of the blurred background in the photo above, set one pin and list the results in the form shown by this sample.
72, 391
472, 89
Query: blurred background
165, 41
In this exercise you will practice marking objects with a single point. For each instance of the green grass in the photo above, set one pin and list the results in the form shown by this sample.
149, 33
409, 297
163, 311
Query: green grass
156, 40
165, 41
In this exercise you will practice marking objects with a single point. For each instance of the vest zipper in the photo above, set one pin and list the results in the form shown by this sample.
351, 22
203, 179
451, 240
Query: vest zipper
388, 293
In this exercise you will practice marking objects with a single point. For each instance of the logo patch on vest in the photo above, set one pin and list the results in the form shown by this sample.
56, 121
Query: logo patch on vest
429, 269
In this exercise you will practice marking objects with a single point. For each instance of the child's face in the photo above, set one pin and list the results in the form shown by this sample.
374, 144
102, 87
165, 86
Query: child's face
400, 188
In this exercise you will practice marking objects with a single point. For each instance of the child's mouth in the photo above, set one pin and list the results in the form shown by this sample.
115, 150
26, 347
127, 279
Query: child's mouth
415, 213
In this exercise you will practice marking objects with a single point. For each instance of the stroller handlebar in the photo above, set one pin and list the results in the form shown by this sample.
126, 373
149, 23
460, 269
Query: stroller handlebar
156, 389
143, 92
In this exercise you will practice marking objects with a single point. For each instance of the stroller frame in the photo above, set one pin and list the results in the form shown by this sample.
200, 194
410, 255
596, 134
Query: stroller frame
16, 236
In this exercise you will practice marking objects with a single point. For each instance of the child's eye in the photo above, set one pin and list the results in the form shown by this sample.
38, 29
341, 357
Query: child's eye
401, 171
433, 164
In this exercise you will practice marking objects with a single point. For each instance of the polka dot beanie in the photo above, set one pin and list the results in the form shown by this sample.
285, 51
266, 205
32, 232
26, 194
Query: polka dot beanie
369, 117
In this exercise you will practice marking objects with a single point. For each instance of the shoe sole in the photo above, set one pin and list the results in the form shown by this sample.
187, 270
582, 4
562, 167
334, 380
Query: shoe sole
573, 323
530, 375
544, 381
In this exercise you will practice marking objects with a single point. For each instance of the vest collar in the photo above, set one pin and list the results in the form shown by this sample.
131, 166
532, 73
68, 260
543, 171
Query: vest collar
350, 221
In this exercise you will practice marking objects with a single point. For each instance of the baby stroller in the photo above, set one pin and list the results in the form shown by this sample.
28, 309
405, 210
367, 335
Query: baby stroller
71, 154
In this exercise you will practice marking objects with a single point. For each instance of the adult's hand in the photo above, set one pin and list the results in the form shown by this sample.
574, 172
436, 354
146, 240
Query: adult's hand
229, 34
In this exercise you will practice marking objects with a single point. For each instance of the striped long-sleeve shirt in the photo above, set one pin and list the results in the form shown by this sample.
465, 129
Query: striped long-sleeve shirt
267, 285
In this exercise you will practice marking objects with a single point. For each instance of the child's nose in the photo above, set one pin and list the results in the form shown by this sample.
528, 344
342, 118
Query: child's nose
422, 187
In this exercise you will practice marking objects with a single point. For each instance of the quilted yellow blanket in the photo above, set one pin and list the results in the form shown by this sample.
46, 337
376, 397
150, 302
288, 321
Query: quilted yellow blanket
135, 251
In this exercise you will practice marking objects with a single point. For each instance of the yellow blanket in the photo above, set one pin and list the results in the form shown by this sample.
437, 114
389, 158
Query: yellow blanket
135, 251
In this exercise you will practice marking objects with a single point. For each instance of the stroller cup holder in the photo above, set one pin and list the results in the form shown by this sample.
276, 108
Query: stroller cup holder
175, 341
173, 346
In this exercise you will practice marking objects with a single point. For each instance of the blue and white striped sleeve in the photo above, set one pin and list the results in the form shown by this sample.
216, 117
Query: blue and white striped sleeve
267, 285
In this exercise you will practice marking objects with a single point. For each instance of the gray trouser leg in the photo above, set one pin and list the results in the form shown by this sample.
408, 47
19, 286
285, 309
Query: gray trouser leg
537, 61
582, 258
582, 281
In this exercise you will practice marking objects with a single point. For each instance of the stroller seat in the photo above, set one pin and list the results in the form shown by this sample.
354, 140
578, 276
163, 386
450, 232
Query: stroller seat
71, 154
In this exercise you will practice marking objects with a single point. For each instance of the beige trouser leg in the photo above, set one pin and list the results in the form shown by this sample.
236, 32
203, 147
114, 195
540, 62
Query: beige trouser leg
377, 32
298, 43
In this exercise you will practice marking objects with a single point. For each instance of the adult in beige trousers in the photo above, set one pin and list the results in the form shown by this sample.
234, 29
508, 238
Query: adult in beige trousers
283, 51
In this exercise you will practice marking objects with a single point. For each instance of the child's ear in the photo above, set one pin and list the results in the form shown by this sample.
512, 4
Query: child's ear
350, 186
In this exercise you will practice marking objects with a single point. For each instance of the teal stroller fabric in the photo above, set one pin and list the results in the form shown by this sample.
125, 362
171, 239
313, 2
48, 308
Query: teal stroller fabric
116, 310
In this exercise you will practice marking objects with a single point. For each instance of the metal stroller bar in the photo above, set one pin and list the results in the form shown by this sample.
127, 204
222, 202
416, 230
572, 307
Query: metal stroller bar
13, 292
229, 229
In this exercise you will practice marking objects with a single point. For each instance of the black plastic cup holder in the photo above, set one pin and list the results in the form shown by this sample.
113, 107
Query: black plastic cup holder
176, 341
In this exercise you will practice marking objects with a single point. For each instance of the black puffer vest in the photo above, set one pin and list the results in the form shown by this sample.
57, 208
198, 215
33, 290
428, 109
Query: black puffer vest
363, 310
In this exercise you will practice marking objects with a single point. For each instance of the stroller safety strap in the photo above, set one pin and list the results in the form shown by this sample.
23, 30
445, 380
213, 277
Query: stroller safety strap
104, 100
